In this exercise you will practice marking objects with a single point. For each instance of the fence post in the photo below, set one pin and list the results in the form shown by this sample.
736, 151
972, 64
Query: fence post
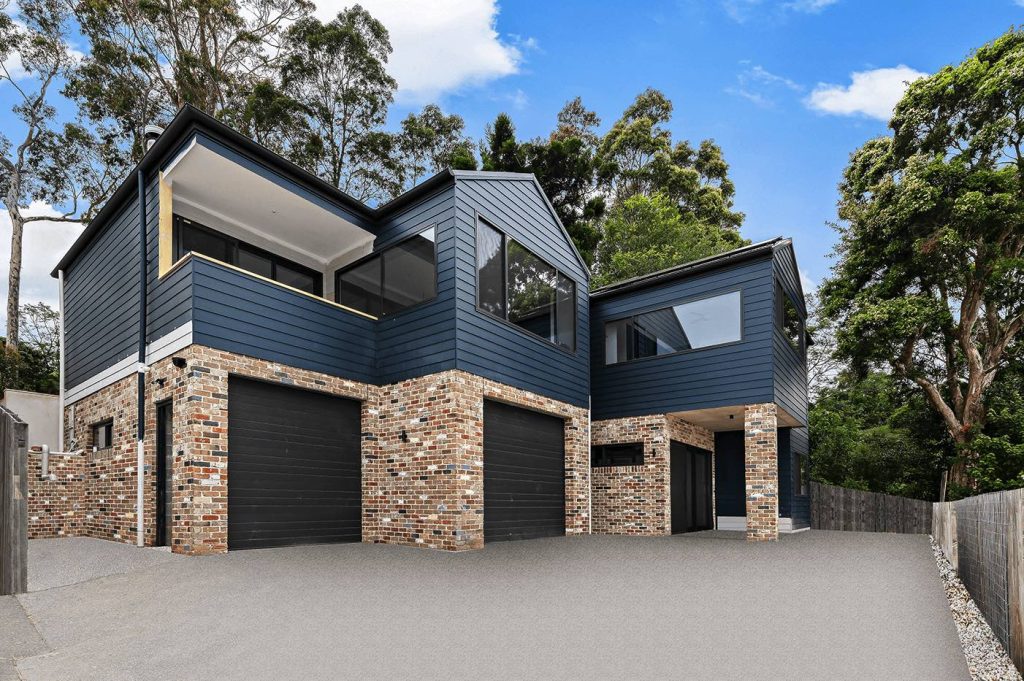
13, 504
1014, 574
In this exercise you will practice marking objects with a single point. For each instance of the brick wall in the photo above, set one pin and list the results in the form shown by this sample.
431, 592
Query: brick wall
55, 503
428, 490
762, 471
637, 499
423, 490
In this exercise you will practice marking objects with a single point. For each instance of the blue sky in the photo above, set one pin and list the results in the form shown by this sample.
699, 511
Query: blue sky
711, 58
769, 81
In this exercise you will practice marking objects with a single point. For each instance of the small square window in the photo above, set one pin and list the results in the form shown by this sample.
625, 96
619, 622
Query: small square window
103, 435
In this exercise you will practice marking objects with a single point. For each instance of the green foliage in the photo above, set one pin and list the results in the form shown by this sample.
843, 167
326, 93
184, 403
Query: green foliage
336, 71
875, 434
647, 233
431, 141
1000, 447
637, 156
499, 149
35, 364
148, 59
930, 279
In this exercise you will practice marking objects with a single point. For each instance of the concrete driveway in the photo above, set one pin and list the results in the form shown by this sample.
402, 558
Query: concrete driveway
817, 605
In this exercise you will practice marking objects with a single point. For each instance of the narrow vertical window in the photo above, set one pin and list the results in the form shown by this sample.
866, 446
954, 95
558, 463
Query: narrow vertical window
490, 267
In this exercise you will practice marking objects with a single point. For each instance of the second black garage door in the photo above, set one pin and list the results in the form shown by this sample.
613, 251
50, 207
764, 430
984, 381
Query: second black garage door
524, 474
294, 466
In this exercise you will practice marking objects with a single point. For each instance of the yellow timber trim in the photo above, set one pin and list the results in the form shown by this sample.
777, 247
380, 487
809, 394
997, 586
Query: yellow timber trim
165, 250
271, 281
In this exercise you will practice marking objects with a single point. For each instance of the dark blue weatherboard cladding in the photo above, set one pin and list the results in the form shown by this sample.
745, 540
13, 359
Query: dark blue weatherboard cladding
790, 368
730, 480
101, 298
239, 313
801, 503
421, 340
737, 373
491, 347
169, 303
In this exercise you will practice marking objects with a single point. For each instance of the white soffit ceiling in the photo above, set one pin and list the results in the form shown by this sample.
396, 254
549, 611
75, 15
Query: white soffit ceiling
718, 418
203, 178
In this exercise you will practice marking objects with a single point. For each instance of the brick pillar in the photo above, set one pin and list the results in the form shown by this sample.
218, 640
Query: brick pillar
761, 463
201, 496
423, 476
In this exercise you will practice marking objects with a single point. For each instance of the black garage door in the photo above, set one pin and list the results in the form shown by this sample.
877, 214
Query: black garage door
524, 474
293, 466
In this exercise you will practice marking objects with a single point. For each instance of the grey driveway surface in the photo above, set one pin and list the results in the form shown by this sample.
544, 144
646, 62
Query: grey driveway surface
60, 562
816, 605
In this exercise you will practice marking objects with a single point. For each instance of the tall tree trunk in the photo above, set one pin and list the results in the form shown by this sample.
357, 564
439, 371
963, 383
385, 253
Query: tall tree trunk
14, 277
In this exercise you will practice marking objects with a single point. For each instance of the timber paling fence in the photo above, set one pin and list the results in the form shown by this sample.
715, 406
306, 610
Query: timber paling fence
983, 537
13, 504
853, 510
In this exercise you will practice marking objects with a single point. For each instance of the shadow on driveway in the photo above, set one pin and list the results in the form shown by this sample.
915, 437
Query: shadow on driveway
817, 605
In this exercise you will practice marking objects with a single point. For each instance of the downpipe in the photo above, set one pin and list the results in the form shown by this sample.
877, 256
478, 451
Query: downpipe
140, 471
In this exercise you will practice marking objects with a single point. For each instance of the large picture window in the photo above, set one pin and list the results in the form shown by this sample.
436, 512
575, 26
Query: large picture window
691, 325
516, 285
393, 279
192, 237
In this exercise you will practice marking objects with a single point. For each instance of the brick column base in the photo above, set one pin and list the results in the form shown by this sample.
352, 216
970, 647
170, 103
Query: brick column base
761, 463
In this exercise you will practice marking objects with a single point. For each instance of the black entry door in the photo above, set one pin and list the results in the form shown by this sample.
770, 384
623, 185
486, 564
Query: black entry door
294, 466
164, 473
524, 474
690, 482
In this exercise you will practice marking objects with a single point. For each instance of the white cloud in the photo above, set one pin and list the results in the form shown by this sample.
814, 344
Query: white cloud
809, 6
758, 85
742, 10
44, 244
441, 46
870, 93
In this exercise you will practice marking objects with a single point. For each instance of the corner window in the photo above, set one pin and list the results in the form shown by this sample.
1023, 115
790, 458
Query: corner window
516, 285
103, 435
789, 319
392, 280
688, 326
192, 237
604, 456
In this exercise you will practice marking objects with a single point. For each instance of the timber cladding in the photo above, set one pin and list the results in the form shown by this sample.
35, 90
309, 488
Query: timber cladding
852, 510
983, 538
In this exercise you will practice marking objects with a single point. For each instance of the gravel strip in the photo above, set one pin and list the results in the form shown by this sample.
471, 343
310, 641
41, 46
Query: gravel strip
985, 655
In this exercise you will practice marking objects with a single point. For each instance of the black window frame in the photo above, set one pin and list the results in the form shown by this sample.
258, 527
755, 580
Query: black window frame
781, 298
685, 301
504, 283
601, 455
233, 246
106, 425
380, 254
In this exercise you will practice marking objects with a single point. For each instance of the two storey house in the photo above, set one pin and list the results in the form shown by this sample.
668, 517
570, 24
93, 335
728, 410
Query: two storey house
252, 358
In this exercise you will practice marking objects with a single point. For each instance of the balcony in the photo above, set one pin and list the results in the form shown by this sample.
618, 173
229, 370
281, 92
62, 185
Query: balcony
245, 262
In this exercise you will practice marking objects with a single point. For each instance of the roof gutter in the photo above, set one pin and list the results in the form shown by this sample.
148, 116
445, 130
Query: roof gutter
690, 268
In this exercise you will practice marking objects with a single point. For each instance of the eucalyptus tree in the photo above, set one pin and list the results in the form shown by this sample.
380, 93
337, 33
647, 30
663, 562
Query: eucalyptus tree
431, 141
148, 59
337, 72
64, 166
